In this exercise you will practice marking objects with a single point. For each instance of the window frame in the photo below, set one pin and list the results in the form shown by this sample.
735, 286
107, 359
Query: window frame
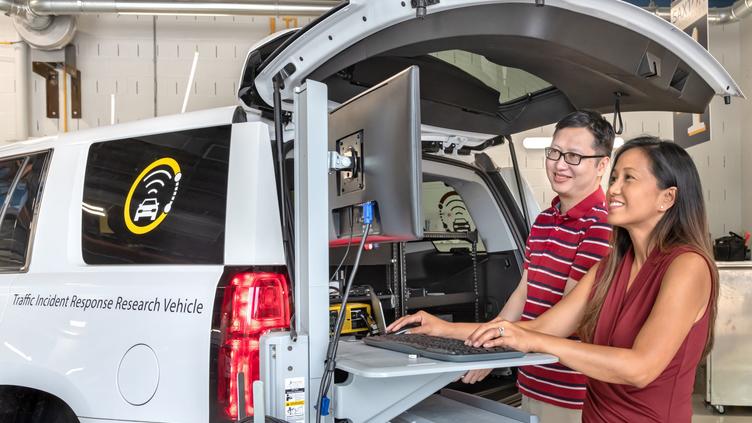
35, 212
192, 261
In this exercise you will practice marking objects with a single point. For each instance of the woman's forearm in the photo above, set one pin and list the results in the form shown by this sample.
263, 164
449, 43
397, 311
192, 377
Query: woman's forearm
607, 364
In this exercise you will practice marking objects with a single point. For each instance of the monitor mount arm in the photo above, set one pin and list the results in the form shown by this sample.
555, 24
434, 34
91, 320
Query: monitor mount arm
343, 162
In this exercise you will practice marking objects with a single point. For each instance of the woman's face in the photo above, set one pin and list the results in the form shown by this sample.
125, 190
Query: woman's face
634, 198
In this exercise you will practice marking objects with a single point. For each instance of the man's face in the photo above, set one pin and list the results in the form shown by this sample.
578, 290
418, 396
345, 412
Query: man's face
575, 181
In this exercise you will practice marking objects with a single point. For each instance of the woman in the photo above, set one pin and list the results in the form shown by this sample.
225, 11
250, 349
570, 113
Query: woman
646, 312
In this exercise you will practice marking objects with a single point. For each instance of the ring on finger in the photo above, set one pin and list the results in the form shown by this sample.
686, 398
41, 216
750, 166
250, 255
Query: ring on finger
501, 331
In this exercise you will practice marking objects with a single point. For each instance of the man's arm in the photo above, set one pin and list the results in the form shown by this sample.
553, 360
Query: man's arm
512, 310
563, 318
592, 248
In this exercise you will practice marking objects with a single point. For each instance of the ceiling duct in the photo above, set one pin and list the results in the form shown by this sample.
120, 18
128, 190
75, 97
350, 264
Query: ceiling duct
717, 15
51, 24
183, 7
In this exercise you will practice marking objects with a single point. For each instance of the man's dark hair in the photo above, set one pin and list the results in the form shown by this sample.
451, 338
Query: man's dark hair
598, 126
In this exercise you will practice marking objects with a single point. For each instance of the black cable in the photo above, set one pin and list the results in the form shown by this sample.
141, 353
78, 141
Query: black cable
349, 243
331, 353
285, 206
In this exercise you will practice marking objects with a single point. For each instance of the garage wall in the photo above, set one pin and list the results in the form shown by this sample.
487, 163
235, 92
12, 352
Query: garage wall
134, 57
9, 87
746, 122
718, 161
145, 62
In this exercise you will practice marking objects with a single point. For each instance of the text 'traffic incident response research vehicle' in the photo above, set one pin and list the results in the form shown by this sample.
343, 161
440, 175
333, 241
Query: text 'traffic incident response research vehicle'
151, 271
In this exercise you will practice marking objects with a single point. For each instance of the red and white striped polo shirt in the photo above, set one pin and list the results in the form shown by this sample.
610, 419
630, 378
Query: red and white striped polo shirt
561, 246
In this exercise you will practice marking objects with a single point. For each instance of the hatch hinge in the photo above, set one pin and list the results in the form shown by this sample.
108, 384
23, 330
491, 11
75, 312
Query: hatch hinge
421, 7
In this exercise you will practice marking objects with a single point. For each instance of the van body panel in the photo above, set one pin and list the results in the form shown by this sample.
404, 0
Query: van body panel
253, 231
57, 241
6, 280
190, 120
63, 349
75, 351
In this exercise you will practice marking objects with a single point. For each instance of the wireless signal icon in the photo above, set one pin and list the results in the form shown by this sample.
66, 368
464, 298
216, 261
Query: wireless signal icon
151, 196
453, 213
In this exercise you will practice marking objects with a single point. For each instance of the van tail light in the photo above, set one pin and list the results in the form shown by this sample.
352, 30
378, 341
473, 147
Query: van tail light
253, 303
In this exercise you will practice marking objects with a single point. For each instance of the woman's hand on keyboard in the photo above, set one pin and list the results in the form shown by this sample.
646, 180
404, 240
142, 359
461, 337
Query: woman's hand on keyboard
503, 334
428, 324
476, 375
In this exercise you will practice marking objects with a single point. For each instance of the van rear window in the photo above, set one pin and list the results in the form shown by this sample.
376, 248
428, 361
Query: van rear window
21, 180
157, 199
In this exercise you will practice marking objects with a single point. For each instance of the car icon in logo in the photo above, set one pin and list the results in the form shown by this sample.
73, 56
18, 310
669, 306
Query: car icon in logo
461, 225
148, 208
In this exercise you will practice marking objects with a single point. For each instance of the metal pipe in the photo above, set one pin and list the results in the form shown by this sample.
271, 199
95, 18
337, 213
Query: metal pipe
32, 9
182, 7
20, 9
21, 57
740, 10
717, 15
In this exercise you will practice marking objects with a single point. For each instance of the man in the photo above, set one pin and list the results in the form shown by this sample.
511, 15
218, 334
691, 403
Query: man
565, 241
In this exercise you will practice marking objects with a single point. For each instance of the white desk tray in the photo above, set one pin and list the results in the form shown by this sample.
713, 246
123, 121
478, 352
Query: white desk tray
453, 406
362, 360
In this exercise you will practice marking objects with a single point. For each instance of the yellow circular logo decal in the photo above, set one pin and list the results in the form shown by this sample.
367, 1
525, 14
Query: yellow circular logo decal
155, 190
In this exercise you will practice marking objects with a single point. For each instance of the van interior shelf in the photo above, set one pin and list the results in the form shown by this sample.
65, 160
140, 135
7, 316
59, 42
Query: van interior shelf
415, 303
471, 236
418, 302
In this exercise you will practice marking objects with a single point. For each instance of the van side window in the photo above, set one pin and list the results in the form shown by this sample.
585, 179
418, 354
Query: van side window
445, 211
157, 199
20, 187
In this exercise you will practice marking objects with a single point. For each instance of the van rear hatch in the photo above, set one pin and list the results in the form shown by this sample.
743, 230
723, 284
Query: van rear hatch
499, 66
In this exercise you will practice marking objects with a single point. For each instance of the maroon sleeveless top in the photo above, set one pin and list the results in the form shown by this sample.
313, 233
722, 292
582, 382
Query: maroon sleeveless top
668, 397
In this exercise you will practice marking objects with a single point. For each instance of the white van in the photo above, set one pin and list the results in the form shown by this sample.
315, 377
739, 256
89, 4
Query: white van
127, 252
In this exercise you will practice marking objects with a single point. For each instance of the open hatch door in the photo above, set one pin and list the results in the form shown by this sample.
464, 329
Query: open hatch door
573, 54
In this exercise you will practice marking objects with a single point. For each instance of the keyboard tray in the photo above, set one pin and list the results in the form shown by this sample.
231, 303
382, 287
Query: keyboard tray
437, 348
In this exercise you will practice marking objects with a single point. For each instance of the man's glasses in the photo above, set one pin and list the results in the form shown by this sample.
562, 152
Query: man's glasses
570, 158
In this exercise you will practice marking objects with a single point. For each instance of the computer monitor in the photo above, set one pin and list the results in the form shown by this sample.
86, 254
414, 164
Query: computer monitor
380, 130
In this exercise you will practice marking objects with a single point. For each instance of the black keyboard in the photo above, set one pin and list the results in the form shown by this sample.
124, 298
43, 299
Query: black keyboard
438, 348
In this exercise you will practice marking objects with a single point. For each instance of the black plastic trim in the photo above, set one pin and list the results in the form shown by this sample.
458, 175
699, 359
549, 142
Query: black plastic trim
239, 116
36, 206
261, 61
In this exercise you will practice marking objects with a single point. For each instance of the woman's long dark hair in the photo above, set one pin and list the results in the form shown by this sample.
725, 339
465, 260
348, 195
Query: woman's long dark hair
685, 223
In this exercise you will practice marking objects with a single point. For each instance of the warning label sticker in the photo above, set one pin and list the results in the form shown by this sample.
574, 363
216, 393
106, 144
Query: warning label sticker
295, 399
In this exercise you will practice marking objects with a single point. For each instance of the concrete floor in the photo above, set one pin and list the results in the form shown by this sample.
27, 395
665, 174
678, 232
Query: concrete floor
704, 414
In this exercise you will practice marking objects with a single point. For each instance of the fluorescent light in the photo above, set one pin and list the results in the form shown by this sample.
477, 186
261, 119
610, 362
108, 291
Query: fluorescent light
88, 208
539, 143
